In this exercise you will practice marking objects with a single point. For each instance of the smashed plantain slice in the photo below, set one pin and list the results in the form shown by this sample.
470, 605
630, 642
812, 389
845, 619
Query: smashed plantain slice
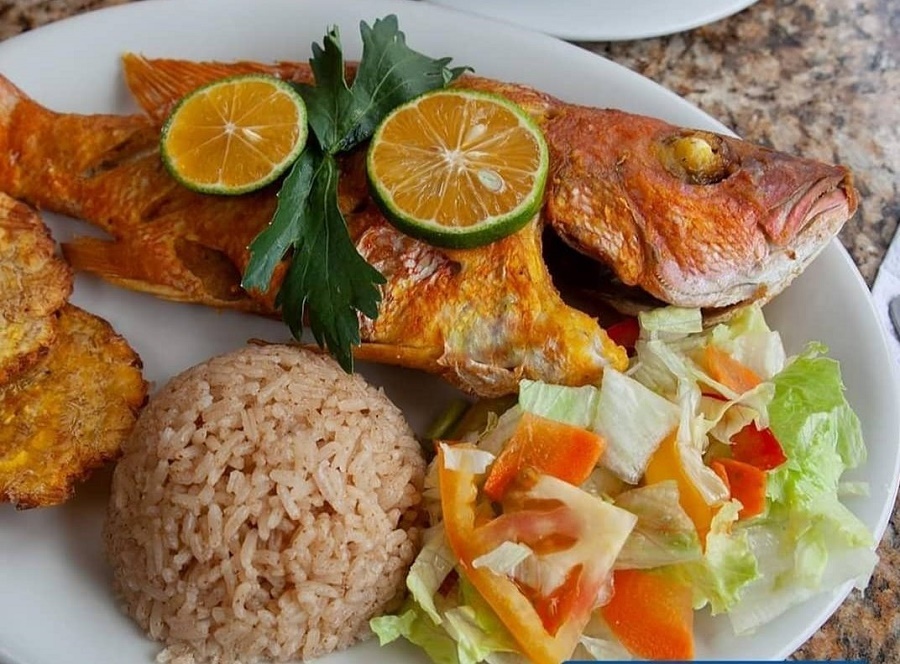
68, 414
34, 284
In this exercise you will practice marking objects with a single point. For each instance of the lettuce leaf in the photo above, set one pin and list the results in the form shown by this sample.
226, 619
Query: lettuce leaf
414, 625
809, 542
727, 567
664, 533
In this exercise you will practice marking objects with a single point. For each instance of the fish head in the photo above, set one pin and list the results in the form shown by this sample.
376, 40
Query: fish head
693, 217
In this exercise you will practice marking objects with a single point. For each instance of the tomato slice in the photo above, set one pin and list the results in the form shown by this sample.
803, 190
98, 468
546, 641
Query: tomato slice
575, 538
747, 484
625, 333
758, 447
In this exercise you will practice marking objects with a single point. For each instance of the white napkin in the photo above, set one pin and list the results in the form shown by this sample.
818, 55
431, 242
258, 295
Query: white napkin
887, 286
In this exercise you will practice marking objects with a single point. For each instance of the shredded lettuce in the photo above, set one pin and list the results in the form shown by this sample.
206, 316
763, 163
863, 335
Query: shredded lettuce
748, 339
414, 625
728, 564
504, 559
456, 627
573, 405
806, 542
466, 459
809, 542
428, 571
633, 420
664, 533
670, 323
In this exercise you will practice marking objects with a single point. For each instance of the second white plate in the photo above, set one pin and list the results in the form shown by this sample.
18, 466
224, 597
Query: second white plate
603, 20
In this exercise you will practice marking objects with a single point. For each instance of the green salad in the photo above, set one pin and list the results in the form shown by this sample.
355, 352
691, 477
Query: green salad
593, 522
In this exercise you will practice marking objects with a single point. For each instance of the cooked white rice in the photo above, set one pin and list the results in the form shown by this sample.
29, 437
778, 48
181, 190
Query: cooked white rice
265, 507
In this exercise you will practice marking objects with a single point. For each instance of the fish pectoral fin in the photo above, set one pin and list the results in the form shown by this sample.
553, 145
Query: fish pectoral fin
184, 272
459, 369
425, 359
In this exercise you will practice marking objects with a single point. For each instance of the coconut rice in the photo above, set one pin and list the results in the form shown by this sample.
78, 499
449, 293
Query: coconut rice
266, 507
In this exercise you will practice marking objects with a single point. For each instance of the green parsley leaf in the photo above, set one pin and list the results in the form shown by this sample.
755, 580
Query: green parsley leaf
272, 244
327, 273
389, 74
327, 280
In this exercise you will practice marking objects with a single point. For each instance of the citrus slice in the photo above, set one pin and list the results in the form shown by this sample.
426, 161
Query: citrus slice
458, 168
234, 135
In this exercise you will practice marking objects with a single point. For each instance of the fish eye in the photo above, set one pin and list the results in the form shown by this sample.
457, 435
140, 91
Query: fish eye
695, 157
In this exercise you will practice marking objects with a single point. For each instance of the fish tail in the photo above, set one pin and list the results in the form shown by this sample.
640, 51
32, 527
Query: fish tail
62, 161
10, 97
12, 100
157, 84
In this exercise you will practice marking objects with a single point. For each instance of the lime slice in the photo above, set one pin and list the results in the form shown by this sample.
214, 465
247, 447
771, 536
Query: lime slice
234, 135
458, 168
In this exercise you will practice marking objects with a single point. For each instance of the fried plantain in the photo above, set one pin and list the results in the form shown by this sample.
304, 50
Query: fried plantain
70, 413
34, 284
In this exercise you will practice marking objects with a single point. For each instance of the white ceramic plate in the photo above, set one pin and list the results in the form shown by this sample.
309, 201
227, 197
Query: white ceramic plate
56, 605
603, 20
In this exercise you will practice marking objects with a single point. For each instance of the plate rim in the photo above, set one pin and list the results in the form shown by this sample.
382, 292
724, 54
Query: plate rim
72, 23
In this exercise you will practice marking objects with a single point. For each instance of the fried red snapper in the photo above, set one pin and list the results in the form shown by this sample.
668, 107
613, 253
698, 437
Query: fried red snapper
689, 217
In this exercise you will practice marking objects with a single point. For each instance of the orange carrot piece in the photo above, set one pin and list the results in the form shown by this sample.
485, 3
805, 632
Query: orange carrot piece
748, 485
651, 615
719, 470
728, 371
552, 448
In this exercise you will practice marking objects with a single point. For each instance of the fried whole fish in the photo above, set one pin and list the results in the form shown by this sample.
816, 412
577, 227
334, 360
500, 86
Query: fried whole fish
482, 318
694, 218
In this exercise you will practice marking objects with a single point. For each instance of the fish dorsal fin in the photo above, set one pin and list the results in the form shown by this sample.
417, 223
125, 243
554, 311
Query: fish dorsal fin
157, 84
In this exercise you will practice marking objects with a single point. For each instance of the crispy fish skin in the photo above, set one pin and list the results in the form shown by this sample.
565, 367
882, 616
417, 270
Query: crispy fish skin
483, 319
34, 284
70, 413
693, 218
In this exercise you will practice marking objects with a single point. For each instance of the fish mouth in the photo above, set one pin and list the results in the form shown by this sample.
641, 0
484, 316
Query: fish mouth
820, 208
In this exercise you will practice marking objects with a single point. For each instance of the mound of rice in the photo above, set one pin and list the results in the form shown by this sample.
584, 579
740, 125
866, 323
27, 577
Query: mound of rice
266, 506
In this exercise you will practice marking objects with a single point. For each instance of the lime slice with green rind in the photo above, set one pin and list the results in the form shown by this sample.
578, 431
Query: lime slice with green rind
458, 168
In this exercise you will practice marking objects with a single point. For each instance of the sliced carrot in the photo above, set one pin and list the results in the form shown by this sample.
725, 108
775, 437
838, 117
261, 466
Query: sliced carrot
665, 464
728, 371
651, 615
748, 485
758, 447
719, 470
552, 448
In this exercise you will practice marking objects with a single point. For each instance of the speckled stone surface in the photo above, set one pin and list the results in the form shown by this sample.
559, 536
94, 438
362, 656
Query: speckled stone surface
814, 78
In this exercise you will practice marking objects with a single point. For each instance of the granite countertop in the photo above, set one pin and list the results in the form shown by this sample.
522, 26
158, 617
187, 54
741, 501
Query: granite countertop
806, 77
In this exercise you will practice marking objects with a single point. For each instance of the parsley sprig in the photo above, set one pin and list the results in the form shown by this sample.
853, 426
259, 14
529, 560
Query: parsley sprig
326, 277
